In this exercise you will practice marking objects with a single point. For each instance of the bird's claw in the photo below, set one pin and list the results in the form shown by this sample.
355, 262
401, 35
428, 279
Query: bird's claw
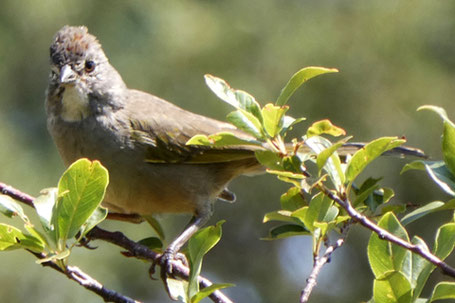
164, 261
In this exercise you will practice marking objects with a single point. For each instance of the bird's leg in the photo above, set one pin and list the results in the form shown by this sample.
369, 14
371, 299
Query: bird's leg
171, 251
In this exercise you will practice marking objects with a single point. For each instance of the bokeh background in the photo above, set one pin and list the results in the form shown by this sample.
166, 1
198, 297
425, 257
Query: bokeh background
393, 56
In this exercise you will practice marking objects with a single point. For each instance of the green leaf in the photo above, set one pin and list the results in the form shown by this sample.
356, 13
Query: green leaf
438, 110
155, 224
383, 255
298, 79
81, 190
421, 268
414, 165
9, 207
368, 153
220, 140
327, 158
441, 175
392, 287
177, 289
287, 230
427, 209
288, 124
280, 215
319, 210
152, 242
269, 159
273, 118
324, 127
246, 122
286, 174
443, 291
292, 199
237, 98
366, 189
97, 217
44, 205
205, 292
199, 244
13, 238
445, 241
448, 146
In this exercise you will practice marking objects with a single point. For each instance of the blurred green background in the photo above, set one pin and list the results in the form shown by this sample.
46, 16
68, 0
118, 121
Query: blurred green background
393, 56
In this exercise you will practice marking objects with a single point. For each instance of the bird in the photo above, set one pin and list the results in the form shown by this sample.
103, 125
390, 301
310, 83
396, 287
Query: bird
140, 138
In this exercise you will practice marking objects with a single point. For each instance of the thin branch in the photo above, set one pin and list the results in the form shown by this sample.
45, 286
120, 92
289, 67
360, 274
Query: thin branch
143, 252
385, 235
319, 262
134, 249
77, 275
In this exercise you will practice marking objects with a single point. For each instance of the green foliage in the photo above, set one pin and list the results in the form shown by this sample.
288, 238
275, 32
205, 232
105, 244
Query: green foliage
64, 212
400, 275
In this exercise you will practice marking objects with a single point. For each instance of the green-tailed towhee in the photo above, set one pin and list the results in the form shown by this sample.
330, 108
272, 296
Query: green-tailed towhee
140, 138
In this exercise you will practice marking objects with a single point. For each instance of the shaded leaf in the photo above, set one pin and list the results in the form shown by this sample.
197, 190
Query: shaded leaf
287, 230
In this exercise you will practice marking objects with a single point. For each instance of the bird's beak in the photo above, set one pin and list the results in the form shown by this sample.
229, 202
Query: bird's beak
67, 75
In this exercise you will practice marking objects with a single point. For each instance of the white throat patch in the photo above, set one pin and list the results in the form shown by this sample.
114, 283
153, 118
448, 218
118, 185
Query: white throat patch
75, 106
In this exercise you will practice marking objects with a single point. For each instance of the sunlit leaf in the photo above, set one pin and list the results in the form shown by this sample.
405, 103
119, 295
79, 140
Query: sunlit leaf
383, 255
273, 118
445, 241
392, 287
13, 238
9, 207
324, 127
205, 292
220, 140
81, 189
292, 199
246, 122
427, 209
237, 98
44, 205
368, 153
198, 245
448, 146
443, 291
298, 79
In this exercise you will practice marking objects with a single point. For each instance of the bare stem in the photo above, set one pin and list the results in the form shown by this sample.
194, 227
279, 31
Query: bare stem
386, 235
319, 262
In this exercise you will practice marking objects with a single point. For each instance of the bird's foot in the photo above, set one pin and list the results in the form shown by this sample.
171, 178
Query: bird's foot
165, 261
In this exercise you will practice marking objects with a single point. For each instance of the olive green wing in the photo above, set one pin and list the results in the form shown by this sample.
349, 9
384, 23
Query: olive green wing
163, 129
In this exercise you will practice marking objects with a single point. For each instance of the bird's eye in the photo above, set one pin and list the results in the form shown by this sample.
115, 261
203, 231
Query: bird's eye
89, 66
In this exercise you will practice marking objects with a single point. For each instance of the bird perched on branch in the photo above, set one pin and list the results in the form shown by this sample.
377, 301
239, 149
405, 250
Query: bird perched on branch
141, 139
